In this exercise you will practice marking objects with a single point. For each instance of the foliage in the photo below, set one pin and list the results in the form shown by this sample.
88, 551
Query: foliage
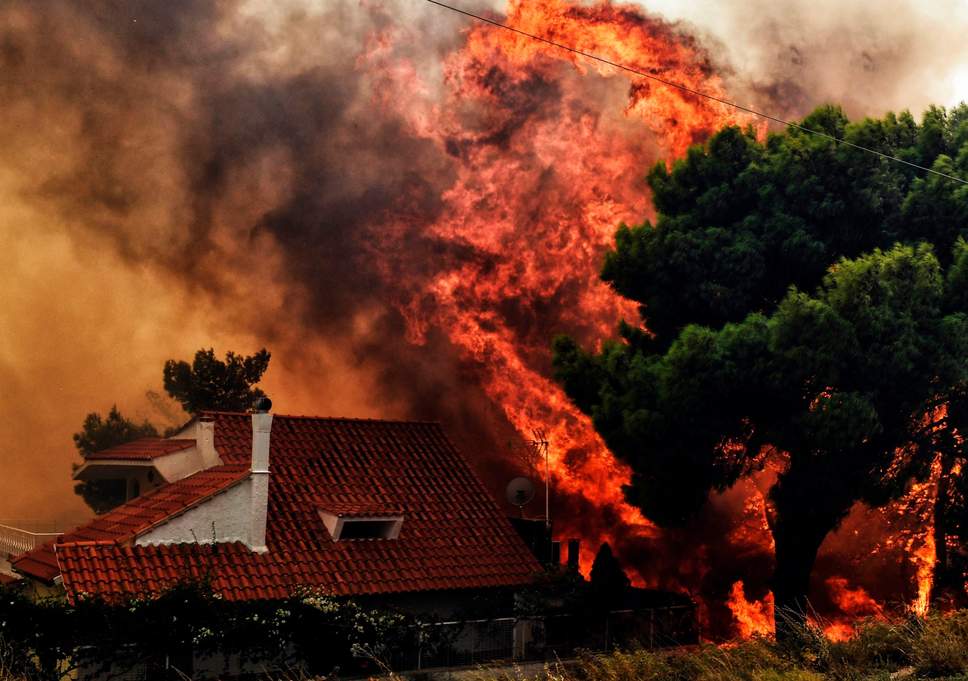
50, 638
555, 589
942, 648
608, 579
740, 221
803, 299
210, 383
877, 645
99, 433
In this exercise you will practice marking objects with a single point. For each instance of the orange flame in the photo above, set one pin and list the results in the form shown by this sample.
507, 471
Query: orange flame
752, 618
543, 176
546, 151
854, 603
920, 546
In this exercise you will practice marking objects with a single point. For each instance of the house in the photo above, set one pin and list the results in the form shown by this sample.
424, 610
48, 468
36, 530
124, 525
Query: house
262, 505
147, 463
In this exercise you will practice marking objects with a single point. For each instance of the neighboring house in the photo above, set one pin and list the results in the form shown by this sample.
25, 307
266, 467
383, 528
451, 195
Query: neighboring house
147, 463
354, 507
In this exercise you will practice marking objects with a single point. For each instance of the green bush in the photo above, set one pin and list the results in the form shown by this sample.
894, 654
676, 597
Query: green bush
941, 645
309, 631
876, 646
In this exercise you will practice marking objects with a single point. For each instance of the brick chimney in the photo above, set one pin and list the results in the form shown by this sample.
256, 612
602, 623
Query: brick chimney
259, 474
574, 553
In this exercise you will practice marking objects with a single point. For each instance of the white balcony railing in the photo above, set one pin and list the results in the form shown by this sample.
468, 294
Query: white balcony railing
15, 541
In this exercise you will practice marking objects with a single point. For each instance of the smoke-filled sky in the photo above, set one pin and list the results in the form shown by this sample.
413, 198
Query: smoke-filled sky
191, 174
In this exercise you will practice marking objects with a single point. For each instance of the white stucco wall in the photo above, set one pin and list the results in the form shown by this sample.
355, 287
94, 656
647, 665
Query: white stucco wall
229, 511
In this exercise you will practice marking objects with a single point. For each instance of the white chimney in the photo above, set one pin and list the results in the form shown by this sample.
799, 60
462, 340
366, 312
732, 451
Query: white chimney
259, 475
205, 441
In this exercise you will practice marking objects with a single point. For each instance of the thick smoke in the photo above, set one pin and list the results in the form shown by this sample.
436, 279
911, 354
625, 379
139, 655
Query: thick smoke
870, 57
184, 174
189, 174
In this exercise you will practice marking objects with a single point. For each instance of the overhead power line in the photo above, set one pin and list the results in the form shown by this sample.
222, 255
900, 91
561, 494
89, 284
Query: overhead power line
698, 93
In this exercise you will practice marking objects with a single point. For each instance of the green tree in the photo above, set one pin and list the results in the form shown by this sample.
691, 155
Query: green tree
210, 383
608, 580
770, 330
97, 434
206, 383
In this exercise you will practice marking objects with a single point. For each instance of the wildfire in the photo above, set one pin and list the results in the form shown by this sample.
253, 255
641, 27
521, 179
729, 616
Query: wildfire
462, 182
920, 545
854, 604
752, 618
548, 150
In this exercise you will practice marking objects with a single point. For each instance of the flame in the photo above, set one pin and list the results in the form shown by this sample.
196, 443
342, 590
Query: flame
543, 176
854, 604
546, 152
752, 618
920, 545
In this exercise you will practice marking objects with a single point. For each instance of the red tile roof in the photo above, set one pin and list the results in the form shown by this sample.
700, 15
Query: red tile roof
453, 536
126, 521
145, 449
6, 579
351, 509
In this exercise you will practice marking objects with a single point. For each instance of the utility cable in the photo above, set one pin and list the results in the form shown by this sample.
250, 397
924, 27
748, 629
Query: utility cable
698, 93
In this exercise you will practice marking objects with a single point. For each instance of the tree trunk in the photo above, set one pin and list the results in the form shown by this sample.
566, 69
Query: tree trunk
803, 521
797, 544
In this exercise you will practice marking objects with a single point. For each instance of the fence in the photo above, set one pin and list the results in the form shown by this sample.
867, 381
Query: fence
455, 644
15, 541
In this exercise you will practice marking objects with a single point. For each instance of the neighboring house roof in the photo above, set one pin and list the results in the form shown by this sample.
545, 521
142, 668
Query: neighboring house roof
128, 520
145, 449
6, 580
453, 535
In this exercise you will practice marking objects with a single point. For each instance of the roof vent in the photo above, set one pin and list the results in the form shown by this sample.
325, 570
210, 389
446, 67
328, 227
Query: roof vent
262, 405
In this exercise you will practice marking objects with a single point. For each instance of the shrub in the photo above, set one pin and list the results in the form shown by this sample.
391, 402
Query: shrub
13, 663
877, 645
638, 665
309, 631
941, 645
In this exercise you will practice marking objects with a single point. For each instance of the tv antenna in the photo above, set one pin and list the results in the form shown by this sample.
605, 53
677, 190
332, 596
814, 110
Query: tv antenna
541, 447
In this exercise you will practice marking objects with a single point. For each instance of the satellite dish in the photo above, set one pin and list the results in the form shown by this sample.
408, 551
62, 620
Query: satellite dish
519, 492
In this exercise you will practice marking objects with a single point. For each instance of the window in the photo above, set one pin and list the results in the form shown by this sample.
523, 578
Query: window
352, 527
364, 528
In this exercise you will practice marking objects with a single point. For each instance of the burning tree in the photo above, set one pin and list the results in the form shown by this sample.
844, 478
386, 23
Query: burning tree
778, 327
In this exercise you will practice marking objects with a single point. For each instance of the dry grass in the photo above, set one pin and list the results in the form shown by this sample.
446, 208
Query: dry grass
935, 647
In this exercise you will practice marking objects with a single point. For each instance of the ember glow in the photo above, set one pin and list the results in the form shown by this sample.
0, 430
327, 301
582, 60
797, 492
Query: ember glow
405, 211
